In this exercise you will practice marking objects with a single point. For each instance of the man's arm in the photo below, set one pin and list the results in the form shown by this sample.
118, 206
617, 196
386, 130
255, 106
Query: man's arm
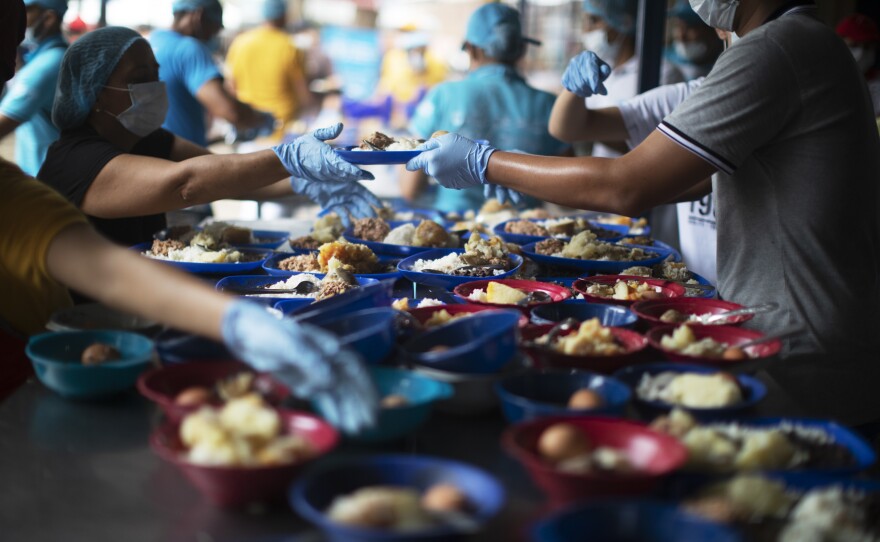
7, 125
572, 121
220, 103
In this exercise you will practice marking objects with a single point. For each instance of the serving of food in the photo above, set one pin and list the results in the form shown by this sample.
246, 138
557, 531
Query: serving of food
684, 341
669, 269
694, 390
481, 258
427, 233
326, 229
377, 141
513, 292
590, 338
336, 282
587, 246
569, 450
562, 227
356, 259
98, 352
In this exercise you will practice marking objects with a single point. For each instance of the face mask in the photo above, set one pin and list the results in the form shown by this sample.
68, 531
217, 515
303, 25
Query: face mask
149, 105
692, 51
597, 42
864, 57
716, 13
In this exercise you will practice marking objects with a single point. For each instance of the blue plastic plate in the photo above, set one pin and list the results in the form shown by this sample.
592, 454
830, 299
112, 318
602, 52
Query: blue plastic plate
446, 281
595, 265
271, 266
521, 239
389, 249
373, 294
230, 285
753, 390
367, 158
213, 268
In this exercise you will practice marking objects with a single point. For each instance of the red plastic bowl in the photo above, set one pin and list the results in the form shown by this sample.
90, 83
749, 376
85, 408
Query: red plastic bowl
654, 455
237, 486
162, 385
651, 311
423, 314
733, 336
667, 289
633, 342
557, 293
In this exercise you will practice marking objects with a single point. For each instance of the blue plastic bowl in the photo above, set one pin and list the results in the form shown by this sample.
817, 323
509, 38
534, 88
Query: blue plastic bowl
213, 268
630, 521
480, 344
233, 284
420, 392
312, 495
608, 315
446, 281
533, 395
372, 294
270, 266
370, 332
400, 251
596, 266
753, 391
709, 294
521, 239
56, 360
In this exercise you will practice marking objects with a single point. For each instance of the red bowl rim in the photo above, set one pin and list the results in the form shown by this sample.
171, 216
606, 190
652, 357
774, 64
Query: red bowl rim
167, 453
532, 461
640, 308
456, 308
557, 292
668, 289
618, 332
742, 334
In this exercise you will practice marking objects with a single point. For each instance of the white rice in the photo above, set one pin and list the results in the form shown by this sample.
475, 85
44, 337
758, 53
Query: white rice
289, 284
478, 295
401, 235
446, 264
195, 254
430, 302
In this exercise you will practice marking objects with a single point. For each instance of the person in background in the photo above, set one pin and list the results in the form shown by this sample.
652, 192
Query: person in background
860, 34
27, 108
610, 27
47, 244
408, 70
695, 45
116, 163
265, 71
797, 156
195, 85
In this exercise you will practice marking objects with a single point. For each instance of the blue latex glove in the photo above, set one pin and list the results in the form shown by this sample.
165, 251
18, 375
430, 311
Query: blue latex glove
585, 74
308, 360
501, 193
341, 197
455, 161
309, 158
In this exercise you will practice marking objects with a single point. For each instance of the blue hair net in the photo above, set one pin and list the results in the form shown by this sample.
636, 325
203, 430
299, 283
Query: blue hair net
84, 71
274, 9
58, 6
496, 29
212, 8
619, 14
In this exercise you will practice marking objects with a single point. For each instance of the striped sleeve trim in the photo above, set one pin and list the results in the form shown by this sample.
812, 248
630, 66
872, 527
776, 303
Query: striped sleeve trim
679, 137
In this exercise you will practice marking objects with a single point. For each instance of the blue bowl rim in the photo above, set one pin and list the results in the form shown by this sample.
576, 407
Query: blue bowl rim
124, 363
520, 400
624, 311
439, 253
371, 328
459, 348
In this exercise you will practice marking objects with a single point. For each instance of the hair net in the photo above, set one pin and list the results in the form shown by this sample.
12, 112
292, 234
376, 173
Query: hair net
619, 14
58, 6
86, 66
274, 9
212, 8
496, 29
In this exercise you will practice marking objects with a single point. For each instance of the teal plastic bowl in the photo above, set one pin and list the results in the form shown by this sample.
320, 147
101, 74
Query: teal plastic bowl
56, 360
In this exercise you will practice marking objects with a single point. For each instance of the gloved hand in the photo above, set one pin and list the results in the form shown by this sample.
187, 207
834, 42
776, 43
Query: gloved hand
455, 161
585, 74
308, 158
501, 193
341, 197
308, 360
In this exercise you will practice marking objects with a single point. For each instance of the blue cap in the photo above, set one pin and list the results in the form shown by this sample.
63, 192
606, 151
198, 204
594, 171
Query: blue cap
619, 14
274, 9
212, 8
496, 29
683, 10
58, 6
84, 71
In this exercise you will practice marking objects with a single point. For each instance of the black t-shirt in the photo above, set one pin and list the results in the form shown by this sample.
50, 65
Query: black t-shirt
74, 161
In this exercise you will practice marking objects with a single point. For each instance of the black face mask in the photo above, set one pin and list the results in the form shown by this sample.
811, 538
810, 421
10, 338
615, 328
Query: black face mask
13, 21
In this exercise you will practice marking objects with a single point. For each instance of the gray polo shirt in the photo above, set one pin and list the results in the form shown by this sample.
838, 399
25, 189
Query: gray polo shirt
786, 118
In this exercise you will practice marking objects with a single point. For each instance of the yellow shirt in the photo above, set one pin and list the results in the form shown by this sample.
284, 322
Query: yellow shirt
402, 82
265, 67
31, 215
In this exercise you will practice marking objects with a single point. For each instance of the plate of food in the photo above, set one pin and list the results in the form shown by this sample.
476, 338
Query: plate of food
711, 345
195, 259
400, 238
357, 259
447, 268
674, 270
222, 234
379, 148
523, 295
586, 345
529, 230
625, 289
585, 252
304, 286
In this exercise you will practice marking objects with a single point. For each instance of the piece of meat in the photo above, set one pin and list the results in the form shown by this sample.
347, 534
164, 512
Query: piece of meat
306, 241
329, 288
548, 247
161, 248
371, 229
378, 140
300, 263
430, 234
525, 227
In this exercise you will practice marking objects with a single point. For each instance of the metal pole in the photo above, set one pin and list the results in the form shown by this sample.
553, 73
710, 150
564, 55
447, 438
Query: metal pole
102, 21
650, 37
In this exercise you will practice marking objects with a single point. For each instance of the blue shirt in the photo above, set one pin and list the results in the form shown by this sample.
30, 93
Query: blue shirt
185, 64
495, 103
29, 102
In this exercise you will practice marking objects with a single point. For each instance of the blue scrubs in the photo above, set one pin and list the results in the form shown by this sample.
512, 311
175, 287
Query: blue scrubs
185, 64
29, 102
495, 103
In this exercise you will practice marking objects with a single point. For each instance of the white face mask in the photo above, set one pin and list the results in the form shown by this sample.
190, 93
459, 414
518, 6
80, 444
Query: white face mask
864, 56
693, 52
149, 105
718, 14
597, 42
